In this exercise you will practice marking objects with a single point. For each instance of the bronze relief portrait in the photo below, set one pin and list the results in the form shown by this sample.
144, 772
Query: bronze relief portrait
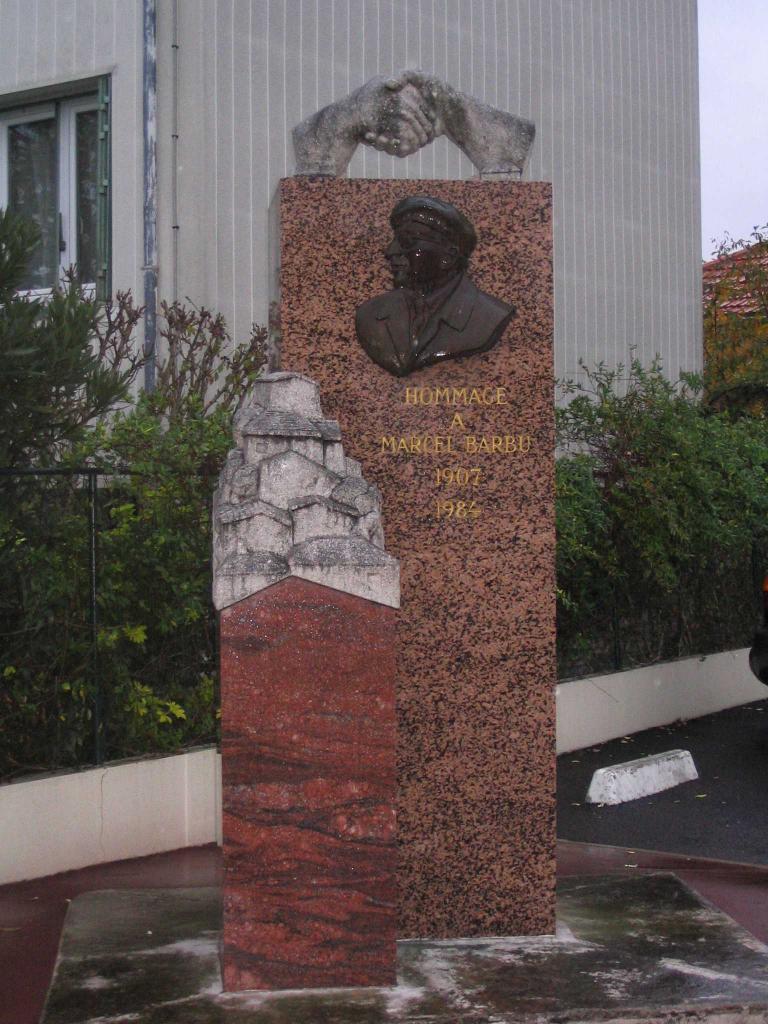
434, 310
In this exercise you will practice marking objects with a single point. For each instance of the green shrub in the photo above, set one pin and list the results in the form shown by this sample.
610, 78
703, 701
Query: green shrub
662, 521
154, 660
153, 666
64, 362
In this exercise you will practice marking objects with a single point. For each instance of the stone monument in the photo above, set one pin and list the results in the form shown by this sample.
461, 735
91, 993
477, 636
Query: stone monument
423, 310
306, 595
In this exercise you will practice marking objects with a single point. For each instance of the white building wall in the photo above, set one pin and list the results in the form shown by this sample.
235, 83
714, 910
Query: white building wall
610, 84
48, 42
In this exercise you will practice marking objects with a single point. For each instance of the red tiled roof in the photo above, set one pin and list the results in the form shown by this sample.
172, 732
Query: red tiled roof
727, 270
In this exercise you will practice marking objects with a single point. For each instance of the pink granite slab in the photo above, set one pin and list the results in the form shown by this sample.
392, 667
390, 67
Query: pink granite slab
476, 630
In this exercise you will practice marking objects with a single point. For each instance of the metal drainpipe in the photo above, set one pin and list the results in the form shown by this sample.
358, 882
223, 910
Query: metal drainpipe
175, 152
149, 82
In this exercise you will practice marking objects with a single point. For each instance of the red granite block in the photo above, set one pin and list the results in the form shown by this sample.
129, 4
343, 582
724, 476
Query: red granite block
308, 755
476, 626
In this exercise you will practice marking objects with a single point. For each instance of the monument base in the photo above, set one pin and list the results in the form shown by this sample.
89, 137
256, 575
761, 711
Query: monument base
152, 956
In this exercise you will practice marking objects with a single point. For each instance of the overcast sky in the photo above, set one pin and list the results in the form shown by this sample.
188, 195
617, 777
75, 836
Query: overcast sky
733, 69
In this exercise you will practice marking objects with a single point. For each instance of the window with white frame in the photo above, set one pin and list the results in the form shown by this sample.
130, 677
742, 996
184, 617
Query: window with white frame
54, 169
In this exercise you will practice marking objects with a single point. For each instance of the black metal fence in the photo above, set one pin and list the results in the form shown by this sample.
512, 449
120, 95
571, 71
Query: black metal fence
107, 633
716, 609
91, 477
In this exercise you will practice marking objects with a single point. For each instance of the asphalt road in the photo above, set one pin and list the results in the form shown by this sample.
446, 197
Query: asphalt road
721, 815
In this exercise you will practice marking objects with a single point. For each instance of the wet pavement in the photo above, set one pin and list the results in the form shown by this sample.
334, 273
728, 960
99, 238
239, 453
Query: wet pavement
722, 815
644, 947
32, 913
672, 832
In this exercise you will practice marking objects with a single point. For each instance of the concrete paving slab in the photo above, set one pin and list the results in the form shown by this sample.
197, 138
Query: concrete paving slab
627, 950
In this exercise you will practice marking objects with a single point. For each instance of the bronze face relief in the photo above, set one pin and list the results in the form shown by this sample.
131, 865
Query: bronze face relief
434, 311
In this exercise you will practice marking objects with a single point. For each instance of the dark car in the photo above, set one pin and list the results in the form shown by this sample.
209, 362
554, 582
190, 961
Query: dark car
758, 653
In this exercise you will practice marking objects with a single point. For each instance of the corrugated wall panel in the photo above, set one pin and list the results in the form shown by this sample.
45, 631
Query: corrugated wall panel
45, 49
9, 15
611, 85
242, 240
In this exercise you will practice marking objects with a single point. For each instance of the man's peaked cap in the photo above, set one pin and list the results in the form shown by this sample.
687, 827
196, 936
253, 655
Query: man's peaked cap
438, 216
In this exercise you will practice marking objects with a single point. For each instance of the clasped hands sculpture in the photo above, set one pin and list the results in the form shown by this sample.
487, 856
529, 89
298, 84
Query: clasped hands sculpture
435, 311
400, 115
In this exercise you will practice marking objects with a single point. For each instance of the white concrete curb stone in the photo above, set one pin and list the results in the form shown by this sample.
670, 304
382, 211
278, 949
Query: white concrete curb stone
634, 779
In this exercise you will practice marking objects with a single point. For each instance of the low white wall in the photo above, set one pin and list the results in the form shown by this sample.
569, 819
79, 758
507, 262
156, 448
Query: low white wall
73, 819
599, 708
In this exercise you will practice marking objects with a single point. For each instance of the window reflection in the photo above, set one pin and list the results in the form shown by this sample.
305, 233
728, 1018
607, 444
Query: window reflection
32, 191
87, 210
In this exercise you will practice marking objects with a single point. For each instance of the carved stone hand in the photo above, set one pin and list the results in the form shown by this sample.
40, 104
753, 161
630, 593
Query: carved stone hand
400, 115
402, 120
